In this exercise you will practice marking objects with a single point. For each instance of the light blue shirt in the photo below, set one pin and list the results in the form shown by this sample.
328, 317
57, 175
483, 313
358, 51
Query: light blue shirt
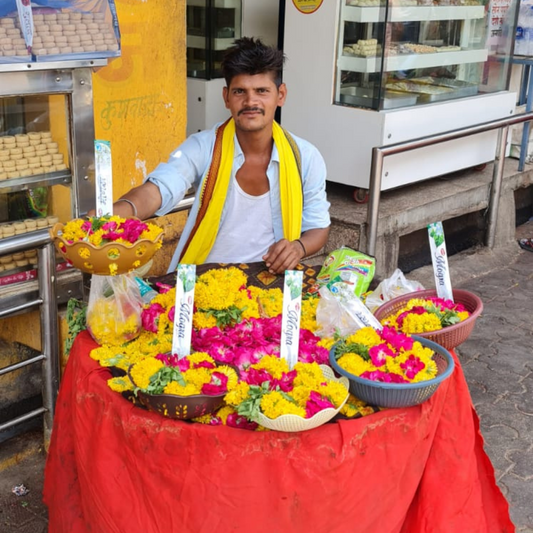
189, 163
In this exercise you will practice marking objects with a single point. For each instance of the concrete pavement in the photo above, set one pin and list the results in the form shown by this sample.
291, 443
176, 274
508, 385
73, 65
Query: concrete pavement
497, 361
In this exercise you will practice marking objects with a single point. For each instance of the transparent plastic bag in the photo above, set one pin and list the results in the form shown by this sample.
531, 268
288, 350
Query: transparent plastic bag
342, 313
390, 288
114, 310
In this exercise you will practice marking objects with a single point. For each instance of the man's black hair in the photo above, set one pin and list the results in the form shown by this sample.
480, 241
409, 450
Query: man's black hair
251, 56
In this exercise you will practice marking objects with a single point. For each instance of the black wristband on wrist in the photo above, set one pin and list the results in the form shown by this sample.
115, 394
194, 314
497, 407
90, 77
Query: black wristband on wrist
302, 245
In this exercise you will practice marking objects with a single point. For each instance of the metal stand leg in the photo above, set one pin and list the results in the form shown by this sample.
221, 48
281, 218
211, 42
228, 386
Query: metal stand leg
49, 335
527, 89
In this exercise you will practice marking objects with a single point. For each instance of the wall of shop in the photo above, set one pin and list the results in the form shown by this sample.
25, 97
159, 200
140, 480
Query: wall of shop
140, 106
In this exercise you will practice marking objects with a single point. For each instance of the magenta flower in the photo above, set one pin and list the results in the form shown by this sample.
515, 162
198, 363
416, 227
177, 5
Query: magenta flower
163, 287
412, 366
417, 310
384, 377
316, 403
173, 360
171, 313
237, 421
396, 339
217, 385
150, 316
378, 354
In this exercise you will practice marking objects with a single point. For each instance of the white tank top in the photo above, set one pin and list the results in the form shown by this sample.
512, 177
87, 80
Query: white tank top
246, 231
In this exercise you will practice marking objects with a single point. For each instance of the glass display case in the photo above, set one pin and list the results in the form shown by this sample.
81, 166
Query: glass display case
413, 53
212, 26
369, 73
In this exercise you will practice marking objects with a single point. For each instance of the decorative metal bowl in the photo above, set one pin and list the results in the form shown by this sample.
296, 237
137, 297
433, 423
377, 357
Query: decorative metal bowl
449, 337
111, 258
399, 394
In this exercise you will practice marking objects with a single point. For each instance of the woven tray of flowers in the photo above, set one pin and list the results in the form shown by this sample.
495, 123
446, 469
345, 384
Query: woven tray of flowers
448, 323
182, 389
294, 400
390, 369
107, 245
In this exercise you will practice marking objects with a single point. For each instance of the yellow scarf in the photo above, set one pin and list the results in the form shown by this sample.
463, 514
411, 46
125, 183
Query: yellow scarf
215, 188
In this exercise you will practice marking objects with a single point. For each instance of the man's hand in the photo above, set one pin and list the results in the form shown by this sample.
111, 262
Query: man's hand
283, 255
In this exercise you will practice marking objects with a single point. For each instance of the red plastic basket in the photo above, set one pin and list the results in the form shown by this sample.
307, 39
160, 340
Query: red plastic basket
451, 336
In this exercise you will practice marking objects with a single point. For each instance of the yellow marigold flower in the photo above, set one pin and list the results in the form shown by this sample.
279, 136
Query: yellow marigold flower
136, 264
367, 336
142, 371
463, 315
217, 288
354, 406
271, 300
200, 357
107, 327
421, 323
275, 366
238, 394
72, 230
175, 388
274, 404
232, 376
309, 375
224, 412
336, 392
355, 364
201, 320
301, 394
120, 384
113, 269
197, 377
327, 342
151, 232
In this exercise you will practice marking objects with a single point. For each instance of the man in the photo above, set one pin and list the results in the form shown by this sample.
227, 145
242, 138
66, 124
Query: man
260, 191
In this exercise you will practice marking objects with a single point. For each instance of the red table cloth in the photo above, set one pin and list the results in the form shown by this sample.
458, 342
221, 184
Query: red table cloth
115, 468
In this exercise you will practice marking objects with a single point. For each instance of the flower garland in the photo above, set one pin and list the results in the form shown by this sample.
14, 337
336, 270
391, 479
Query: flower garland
99, 231
387, 356
422, 315
271, 388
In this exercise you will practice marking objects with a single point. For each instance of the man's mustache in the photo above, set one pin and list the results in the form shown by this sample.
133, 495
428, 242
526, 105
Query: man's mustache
254, 109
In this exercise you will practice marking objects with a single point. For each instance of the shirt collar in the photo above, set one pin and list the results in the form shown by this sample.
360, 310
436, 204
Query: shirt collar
238, 153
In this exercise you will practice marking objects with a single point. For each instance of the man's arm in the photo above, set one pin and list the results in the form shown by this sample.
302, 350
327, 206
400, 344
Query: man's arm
285, 255
146, 198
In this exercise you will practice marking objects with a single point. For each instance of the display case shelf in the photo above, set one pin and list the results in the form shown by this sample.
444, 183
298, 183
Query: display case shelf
413, 13
411, 61
61, 177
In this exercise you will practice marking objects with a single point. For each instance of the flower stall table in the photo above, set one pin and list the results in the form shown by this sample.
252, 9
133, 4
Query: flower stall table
115, 468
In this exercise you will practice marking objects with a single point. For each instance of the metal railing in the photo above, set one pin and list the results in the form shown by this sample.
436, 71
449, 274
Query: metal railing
49, 323
379, 154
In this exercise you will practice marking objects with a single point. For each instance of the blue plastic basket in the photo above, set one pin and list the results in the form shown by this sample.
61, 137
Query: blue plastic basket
399, 394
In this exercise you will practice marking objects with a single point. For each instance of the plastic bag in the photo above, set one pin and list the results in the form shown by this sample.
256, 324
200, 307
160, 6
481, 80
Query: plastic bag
114, 310
390, 288
346, 267
342, 313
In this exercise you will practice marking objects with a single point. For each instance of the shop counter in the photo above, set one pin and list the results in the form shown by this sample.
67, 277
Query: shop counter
115, 468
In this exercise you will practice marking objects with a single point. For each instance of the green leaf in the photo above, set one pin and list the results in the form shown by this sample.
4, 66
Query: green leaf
76, 318
163, 377
343, 347
226, 317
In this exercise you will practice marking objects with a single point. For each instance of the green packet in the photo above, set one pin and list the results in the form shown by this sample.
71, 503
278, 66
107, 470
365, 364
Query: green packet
347, 269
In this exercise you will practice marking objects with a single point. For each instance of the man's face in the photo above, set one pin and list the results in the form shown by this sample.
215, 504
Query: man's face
253, 100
